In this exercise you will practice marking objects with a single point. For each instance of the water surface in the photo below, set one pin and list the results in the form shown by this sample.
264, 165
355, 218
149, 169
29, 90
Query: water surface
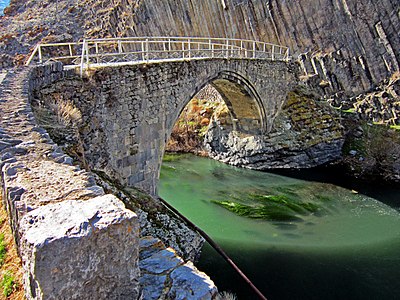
345, 249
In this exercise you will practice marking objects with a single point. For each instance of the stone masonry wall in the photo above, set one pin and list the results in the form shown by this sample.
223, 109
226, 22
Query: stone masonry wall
75, 241
129, 111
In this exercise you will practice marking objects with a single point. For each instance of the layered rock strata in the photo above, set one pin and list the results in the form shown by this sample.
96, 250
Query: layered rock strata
350, 45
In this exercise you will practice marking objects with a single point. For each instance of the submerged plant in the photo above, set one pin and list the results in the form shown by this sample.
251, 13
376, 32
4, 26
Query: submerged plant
271, 207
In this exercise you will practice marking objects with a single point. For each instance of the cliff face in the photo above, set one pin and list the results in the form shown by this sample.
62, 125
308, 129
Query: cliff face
351, 44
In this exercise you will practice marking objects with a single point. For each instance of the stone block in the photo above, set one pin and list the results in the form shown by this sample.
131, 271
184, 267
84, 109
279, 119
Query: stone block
81, 250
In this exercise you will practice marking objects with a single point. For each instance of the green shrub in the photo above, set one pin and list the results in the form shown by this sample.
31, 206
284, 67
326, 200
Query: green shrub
8, 284
3, 249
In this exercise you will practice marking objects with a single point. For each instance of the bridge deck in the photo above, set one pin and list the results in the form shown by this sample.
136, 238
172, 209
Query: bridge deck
135, 50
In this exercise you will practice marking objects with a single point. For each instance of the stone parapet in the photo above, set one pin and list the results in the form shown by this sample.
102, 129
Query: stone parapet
75, 241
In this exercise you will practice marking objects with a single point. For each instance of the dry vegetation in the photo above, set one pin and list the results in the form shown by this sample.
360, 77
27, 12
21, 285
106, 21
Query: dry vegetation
192, 124
11, 269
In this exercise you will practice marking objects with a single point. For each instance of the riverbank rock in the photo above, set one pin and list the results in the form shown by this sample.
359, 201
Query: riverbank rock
306, 133
371, 151
67, 249
166, 276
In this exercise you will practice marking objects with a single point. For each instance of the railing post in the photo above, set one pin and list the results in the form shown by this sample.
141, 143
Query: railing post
254, 49
40, 54
212, 50
96, 45
183, 49
87, 54
147, 50
143, 51
189, 48
227, 48
83, 56
119, 46
273, 52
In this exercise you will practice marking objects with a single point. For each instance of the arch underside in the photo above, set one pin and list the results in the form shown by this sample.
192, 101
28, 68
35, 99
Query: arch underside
246, 111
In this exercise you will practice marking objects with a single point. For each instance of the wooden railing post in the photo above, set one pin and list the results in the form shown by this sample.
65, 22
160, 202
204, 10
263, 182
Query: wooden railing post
87, 54
119, 46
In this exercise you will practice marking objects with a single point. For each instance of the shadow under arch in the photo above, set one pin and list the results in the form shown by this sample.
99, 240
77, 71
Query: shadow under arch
244, 104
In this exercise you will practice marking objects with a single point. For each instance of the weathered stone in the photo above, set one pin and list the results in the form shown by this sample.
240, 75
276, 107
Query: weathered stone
306, 133
152, 286
68, 250
188, 283
166, 276
161, 261
129, 146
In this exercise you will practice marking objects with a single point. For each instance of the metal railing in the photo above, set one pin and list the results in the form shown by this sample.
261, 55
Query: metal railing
117, 51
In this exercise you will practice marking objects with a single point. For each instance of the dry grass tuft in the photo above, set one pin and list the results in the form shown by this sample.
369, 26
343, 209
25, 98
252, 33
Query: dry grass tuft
226, 296
67, 113
12, 263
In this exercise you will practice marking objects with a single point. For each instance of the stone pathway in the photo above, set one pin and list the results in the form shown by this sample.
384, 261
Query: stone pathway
164, 275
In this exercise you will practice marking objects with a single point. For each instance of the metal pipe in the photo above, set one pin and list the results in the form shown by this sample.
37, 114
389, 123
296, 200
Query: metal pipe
216, 247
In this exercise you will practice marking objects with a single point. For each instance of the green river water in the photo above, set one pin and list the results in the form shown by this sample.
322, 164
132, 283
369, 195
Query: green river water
294, 239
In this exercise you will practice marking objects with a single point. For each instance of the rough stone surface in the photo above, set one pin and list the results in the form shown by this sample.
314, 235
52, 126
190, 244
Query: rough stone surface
306, 133
129, 111
157, 221
69, 249
75, 242
167, 276
350, 45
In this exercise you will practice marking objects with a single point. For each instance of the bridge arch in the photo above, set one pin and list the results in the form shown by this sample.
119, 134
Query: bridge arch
133, 108
240, 96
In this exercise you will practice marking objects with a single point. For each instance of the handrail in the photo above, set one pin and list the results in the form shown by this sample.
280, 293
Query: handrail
109, 51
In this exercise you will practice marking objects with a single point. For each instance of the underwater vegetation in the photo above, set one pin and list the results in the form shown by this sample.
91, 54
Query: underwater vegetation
280, 207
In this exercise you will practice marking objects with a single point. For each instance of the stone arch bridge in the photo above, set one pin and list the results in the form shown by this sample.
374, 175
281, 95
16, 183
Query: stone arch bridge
131, 98
130, 111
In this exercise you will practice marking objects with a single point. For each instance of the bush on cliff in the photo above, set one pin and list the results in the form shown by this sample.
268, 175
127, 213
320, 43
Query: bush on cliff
373, 151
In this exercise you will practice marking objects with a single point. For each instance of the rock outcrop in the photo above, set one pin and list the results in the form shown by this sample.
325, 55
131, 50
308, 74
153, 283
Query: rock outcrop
65, 226
76, 241
306, 133
350, 45
69, 250
167, 276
